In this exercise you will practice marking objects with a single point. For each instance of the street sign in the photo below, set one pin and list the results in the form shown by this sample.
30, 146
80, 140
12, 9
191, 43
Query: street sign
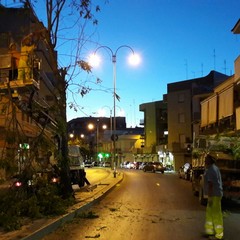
114, 137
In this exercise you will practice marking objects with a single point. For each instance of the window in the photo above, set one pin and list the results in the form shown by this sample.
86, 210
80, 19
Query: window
181, 118
181, 97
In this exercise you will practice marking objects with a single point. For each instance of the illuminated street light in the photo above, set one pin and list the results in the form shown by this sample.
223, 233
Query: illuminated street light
91, 126
82, 135
71, 135
102, 113
94, 60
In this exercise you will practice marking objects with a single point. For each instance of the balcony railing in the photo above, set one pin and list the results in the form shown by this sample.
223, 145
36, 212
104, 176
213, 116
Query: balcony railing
9, 74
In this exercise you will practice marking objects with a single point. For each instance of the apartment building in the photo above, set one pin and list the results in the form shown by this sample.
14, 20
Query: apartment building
27, 88
95, 135
155, 129
202, 106
184, 112
221, 110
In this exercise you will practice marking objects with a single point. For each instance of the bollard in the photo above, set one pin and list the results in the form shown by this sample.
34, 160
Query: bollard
114, 173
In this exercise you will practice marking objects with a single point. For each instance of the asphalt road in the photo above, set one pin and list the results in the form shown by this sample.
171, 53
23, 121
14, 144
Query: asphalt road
146, 206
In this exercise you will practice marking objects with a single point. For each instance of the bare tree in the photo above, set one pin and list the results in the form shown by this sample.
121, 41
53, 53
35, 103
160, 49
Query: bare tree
56, 11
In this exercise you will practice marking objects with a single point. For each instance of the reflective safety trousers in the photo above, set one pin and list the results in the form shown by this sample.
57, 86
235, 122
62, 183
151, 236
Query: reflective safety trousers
214, 218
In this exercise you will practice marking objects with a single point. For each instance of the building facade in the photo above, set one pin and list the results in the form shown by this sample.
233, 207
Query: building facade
220, 111
27, 89
98, 139
155, 138
202, 106
184, 113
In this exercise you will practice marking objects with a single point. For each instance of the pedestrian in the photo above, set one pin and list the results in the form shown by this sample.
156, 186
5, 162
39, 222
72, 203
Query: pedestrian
213, 189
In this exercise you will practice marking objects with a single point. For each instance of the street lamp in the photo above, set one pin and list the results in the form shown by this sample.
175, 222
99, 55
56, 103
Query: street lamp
71, 135
134, 59
102, 114
91, 126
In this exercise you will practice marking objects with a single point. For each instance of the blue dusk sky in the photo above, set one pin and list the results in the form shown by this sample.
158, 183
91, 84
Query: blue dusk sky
176, 39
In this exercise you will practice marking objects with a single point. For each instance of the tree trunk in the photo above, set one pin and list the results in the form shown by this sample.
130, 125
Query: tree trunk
66, 187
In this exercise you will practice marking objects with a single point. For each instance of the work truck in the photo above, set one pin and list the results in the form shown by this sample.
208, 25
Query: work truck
77, 172
229, 165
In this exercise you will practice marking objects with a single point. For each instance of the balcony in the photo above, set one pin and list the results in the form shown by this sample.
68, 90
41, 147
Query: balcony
9, 75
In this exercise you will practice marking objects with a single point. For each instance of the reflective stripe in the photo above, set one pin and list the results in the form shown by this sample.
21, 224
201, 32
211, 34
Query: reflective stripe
219, 235
209, 231
209, 228
209, 223
219, 226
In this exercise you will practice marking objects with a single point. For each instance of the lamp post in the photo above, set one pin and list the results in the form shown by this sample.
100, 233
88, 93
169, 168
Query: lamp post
102, 114
91, 127
134, 59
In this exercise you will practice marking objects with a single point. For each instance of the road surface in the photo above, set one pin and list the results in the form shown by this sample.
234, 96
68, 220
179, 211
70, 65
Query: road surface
145, 206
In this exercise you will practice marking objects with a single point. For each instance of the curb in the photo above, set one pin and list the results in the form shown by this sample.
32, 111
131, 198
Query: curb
96, 197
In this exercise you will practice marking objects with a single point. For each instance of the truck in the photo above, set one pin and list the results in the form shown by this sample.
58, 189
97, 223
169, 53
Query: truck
77, 172
227, 162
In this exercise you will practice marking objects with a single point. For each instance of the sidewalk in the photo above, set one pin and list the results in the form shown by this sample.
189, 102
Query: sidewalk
85, 197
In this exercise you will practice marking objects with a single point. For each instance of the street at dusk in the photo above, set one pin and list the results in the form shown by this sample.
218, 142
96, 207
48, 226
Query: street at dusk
146, 206
119, 120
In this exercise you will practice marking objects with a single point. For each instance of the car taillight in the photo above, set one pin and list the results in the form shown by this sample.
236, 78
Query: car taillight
54, 180
18, 184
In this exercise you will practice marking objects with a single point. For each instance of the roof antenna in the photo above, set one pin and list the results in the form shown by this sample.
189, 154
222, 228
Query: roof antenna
186, 65
214, 60
225, 66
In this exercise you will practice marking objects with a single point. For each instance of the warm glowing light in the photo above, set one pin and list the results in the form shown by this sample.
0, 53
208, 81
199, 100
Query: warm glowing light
94, 60
82, 136
134, 59
90, 126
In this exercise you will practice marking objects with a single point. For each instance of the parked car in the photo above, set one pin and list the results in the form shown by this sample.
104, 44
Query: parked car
106, 164
130, 165
159, 167
153, 167
137, 165
185, 171
141, 166
124, 164
88, 164
96, 164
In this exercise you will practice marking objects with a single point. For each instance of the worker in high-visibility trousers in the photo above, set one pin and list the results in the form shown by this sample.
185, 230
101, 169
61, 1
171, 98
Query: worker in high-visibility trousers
213, 189
28, 45
25, 62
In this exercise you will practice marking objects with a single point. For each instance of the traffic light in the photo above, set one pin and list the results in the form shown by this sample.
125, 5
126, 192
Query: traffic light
24, 145
103, 155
